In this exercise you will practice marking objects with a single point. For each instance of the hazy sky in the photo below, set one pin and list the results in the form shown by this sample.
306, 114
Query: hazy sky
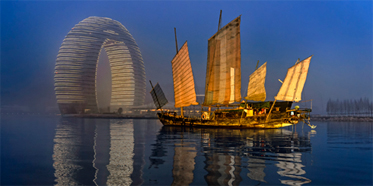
337, 33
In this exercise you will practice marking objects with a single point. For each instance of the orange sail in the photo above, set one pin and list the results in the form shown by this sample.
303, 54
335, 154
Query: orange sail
184, 88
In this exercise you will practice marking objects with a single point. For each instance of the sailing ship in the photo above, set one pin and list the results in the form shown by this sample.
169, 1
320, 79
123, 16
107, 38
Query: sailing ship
223, 88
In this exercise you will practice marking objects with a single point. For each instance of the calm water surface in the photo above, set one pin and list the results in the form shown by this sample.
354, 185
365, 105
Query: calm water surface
70, 151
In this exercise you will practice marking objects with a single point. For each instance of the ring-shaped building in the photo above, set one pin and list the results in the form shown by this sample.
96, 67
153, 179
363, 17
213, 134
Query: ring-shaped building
77, 61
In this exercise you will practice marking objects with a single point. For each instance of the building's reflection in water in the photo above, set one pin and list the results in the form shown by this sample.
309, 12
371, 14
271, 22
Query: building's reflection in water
65, 150
73, 153
101, 150
121, 152
91, 152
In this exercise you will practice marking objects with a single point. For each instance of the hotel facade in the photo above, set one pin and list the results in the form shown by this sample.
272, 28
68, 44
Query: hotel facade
76, 67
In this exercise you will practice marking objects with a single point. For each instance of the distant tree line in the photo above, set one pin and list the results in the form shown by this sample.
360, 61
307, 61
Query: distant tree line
360, 106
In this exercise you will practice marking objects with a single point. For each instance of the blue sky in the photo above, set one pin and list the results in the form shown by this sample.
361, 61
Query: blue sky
337, 33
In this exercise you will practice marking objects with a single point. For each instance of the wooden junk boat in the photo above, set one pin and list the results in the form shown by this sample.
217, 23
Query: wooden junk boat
223, 88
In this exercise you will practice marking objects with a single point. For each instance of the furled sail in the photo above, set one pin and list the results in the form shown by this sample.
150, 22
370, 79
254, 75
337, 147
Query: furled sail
256, 90
293, 84
158, 96
223, 72
184, 89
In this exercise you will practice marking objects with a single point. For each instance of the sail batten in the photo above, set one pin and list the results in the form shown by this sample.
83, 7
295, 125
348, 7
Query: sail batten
223, 72
184, 88
256, 89
292, 87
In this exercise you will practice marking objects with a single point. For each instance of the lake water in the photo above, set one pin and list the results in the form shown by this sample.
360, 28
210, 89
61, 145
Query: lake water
70, 151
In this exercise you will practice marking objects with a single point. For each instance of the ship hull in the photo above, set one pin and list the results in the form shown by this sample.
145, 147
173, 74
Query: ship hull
248, 122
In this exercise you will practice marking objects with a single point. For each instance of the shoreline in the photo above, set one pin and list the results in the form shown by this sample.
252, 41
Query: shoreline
110, 116
342, 118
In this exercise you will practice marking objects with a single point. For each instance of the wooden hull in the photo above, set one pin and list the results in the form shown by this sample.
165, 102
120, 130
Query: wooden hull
255, 122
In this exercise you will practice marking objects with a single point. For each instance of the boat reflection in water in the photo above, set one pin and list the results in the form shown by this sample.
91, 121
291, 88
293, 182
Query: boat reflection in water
143, 152
183, 164
228, 152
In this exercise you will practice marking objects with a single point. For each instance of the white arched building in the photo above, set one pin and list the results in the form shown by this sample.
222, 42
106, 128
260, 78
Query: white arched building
76, 67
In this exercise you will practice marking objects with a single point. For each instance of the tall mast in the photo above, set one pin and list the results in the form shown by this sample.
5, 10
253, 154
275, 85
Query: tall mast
177, 48
256, 68
219, 20
177, 51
